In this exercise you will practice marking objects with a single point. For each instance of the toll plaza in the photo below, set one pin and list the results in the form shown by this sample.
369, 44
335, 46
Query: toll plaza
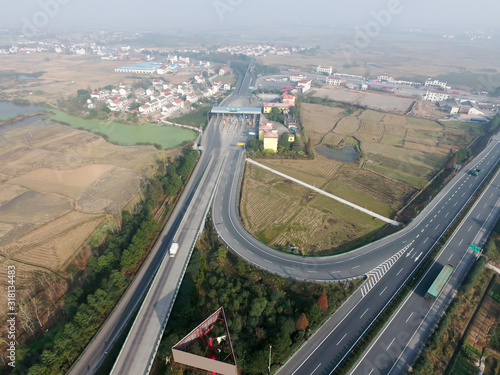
238, 116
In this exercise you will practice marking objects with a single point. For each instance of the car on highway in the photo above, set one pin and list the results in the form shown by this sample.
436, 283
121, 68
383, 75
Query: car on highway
475, 172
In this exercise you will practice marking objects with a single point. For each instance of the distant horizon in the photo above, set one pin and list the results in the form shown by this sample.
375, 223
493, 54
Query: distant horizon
242, 15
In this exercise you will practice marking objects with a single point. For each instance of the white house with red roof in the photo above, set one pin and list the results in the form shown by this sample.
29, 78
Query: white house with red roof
304, 86
192, 98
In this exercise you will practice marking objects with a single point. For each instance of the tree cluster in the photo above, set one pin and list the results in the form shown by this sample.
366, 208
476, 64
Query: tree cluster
262, 309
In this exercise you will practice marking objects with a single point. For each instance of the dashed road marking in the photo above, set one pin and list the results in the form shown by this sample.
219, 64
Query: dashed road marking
390, 343
409, 318
343, 337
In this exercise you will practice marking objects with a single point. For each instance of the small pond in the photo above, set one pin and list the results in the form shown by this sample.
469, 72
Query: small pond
347, 154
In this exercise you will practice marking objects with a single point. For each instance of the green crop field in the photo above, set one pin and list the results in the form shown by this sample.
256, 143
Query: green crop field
196, 118
129, 135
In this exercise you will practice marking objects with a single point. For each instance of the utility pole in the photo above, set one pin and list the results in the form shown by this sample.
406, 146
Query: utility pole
269, 368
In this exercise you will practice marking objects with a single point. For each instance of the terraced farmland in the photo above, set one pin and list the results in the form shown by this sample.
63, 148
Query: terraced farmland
398, 156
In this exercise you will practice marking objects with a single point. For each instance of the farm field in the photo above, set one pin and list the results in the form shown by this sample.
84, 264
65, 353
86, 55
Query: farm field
398, 156
63, 75
196, 118
379, 101
58, 186
406, 149
129, 135
283, 214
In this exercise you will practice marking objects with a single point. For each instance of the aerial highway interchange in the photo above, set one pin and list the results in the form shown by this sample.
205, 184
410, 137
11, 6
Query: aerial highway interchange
389, 263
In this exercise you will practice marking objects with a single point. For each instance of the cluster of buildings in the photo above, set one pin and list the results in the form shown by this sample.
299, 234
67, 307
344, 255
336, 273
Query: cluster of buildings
161, 97
287, 101
435, 96
436, 84
303, 83
389, 79
258, 50
458, 108
270, 136
169, 98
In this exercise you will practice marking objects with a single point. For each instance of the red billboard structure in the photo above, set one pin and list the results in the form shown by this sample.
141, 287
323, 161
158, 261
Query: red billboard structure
208, 348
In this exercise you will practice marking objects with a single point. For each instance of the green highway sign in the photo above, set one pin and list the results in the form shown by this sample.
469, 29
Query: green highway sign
475, 248
251, 87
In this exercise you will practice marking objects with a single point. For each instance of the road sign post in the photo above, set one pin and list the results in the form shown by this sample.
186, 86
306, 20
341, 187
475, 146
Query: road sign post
474, 248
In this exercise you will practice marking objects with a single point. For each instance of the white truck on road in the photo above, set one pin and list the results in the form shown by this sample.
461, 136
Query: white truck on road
173, 249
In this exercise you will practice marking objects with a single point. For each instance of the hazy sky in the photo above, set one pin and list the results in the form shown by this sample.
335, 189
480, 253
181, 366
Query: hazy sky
169, 15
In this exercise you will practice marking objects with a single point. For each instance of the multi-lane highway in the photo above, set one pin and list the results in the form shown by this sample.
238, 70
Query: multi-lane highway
389, 262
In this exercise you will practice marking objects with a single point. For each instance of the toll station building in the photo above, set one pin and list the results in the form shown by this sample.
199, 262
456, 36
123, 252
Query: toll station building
248, 116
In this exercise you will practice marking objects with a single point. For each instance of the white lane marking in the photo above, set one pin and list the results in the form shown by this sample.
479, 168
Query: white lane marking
312, 271
370, 373
463, 194
478, 216
409, 318
418, 235
419, 255
446, 214
462, 240
268, 261
435, 216
470, 228
382, 291
364, 313
343, 337
236, 242
437, 226
431, 221
355, 266
485, 205
455, 204
390, 343
399, 272
439, 211
316, 368
422, 231
427, 239
451, 256
335, 271
250, 252
427, 225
